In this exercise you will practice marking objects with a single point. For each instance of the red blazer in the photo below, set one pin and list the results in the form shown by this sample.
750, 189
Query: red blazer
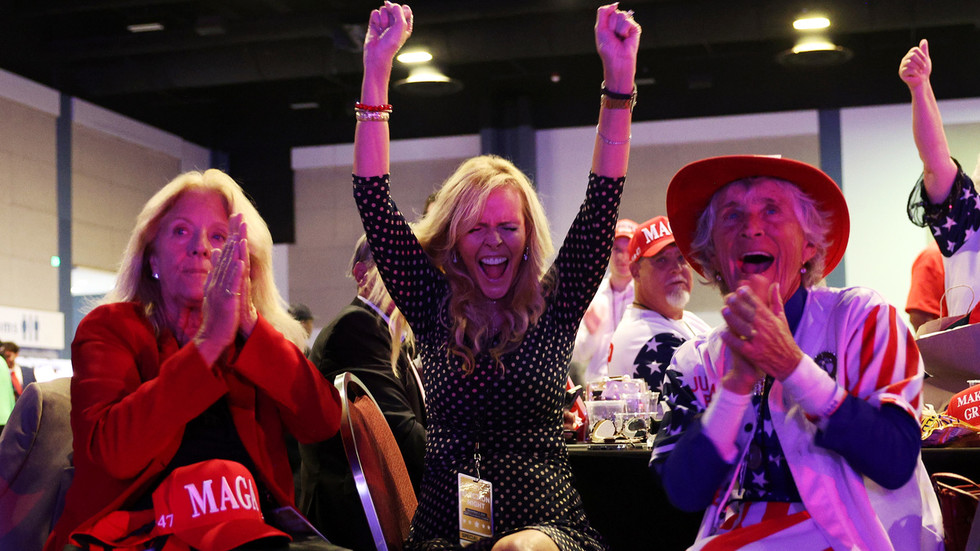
132, 393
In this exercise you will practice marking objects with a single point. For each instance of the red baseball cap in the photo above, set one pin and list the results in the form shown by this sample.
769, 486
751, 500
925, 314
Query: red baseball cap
965, 405
212, 505
625, 228
650, 238
691, 189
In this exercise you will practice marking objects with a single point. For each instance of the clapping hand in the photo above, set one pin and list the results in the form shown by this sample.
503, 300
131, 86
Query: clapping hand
758, 331
227, 307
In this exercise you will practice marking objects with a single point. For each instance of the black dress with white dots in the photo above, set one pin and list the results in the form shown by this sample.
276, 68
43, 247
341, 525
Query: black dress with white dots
514, 413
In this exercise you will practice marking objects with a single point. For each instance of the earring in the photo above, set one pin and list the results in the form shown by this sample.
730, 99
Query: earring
156, 275
525, 253
455, 258
803, 269
718, 278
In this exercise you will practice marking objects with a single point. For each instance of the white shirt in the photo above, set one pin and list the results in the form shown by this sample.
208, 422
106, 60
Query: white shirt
592, 349
644, 343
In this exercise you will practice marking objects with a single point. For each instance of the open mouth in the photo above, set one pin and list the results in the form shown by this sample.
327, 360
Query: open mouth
755, 263
493, 266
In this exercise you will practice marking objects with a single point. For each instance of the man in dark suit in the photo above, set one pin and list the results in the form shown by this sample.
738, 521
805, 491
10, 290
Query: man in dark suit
20, 376
359, 340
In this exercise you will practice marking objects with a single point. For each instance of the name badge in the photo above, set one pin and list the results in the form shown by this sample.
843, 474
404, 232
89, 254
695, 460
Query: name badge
475, 509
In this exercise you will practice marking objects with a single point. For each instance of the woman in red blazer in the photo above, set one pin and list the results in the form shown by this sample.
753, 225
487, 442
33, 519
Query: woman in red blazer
192, 356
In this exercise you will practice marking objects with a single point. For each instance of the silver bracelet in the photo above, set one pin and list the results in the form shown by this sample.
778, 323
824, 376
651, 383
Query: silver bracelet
607, 141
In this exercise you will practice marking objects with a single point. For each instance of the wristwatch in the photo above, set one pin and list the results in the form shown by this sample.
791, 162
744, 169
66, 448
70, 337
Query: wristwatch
615, 100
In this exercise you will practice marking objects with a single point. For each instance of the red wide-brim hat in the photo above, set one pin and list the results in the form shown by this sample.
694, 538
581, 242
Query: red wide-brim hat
691, 189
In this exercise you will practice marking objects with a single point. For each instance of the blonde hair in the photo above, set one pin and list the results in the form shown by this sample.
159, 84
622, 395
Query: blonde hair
373, 289
135, 282
455, 210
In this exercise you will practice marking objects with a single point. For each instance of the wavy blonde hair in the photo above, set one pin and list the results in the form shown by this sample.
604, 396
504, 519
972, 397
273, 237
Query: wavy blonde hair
456, 209
135, 283
373, 289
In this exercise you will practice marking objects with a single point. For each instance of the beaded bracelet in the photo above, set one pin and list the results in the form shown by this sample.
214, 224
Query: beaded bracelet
383, 108
607, 141
371, 116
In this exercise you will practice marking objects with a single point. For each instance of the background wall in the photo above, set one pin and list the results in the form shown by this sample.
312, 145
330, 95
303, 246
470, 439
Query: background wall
116, 165
881, 165
28, 197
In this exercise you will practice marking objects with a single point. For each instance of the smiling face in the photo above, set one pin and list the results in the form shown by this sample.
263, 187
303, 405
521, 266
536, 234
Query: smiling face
756, 231
181, 251
492, 250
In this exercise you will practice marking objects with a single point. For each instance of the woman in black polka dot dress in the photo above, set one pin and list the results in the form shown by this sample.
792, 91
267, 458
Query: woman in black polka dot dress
494, 324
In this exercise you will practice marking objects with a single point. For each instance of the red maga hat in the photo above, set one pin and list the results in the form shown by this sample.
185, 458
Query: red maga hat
650, 238
212, 505
691, 189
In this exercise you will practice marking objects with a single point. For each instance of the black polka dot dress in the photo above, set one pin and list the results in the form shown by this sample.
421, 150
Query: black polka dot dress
515, 413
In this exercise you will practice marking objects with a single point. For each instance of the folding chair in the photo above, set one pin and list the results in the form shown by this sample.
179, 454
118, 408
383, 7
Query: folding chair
375, 460
35, 465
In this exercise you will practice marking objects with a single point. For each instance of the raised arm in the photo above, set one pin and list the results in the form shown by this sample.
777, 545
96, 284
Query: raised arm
617, 38
938, 168
388, 29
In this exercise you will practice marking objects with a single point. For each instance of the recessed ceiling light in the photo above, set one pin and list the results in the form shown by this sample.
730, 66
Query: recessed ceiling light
414, 56
814, 46
145, 27
811, 23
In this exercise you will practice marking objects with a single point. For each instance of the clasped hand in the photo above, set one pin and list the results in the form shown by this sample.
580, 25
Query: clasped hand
758, 335
228, 307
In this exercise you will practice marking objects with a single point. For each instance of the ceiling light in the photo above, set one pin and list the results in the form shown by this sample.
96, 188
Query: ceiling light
428, 81
414, 56
819, 45
301, 105
144, 27
426, 74
810, 23
814, 51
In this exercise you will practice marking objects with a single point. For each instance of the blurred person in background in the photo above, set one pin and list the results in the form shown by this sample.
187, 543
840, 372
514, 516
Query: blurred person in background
615, 293
371, 339
655, 324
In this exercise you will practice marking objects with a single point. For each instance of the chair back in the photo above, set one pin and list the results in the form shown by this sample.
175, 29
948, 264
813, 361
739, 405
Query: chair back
35, 465
376, 462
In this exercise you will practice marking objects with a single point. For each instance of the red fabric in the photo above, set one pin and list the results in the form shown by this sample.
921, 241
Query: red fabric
133, 393
928, 282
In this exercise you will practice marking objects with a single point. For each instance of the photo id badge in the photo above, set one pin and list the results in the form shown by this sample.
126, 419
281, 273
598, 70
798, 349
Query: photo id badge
475, 509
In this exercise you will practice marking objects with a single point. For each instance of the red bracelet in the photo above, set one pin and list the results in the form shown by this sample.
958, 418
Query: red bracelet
385, 108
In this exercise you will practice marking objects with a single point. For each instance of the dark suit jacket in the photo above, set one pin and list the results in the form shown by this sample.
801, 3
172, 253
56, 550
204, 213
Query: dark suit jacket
357, 340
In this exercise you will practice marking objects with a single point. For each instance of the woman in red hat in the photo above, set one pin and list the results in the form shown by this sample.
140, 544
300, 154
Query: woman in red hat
795, 424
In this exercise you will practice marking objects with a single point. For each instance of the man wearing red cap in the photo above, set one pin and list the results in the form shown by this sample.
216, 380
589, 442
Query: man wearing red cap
615, 293
656, 323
